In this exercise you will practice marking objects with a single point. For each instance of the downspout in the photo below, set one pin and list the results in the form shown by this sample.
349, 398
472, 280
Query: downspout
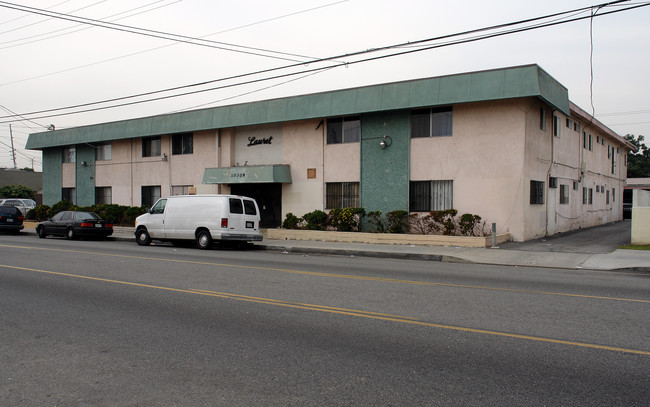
550, 167
218, 156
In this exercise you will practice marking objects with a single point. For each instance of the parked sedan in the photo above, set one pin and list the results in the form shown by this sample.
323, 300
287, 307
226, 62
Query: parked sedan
74, 224
11, 219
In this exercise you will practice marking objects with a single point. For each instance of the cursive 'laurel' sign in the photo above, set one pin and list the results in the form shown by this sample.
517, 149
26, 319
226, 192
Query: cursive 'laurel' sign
253, 141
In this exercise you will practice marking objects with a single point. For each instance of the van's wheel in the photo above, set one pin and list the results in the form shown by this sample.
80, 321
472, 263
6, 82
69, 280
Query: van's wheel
203, 240
70, 234
142, 237
41, 232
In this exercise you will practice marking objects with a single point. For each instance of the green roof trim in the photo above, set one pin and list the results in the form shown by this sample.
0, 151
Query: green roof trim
255, 174
507, 83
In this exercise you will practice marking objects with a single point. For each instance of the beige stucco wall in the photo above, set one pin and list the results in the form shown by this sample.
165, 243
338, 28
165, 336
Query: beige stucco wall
128, 171
484, 158
342, 162
302, 147
641, 217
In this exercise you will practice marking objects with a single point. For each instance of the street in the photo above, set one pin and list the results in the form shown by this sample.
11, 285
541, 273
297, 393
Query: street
93, 323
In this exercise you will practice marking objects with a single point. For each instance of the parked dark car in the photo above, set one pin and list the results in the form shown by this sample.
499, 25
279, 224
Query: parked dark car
11, 219
74, 224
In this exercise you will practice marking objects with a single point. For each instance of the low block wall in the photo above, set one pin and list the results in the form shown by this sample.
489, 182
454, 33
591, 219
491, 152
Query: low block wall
382, 238
640, 226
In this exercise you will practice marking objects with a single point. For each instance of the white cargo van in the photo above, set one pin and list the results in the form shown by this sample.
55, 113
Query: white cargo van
202, 218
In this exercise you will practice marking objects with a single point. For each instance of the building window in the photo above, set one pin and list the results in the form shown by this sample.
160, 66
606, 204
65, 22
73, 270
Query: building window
344, 130
568, 123
150, 194
613, 163
607, 197
591, 196
340, 195
68, 194
556, 126
436, 122
182, 143
564, 194
151, 147
613, 194
576, 126
552, 182
591, 143
597, 188
609, 151
542, 119
103, 195
69, 155
426, 196
181, 189
585, 196
536, 192
575, 185
104, 152
584, 140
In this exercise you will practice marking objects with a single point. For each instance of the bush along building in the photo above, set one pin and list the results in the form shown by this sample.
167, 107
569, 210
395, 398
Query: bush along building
505, 144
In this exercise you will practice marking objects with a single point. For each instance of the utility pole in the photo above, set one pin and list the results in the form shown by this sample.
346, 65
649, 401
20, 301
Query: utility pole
13, 152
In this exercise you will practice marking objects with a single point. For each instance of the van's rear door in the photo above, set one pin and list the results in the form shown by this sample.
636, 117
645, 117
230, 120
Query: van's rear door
236, 222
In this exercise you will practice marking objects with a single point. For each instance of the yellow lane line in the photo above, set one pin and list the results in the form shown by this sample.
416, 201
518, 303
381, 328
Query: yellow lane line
335, 275
342, 311
291, 303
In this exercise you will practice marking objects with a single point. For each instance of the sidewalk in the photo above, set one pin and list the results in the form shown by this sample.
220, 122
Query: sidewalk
560, 251
582, 249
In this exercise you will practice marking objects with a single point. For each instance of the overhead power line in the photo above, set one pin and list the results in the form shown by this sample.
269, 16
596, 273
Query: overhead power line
423, 47
262, 52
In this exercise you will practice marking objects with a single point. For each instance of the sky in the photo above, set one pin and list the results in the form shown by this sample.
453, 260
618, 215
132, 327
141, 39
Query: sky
50, 63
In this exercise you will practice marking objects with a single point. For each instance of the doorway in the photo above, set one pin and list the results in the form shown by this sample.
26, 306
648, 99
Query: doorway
269, 201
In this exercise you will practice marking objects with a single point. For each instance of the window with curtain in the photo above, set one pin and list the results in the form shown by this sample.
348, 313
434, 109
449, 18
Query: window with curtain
426, 196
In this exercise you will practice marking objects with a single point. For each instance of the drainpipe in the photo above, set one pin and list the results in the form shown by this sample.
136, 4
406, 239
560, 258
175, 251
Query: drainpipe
548, 172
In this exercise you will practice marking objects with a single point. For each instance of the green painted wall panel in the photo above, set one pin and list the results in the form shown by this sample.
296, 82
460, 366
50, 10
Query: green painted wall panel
425, 92
396, 96
343, 102
85, 175
385, 172
515, 82
486, 85
52, 175
455, 89
368, 99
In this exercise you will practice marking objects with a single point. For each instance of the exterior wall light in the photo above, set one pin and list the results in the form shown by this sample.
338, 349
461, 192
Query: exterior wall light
386, 141
163, 157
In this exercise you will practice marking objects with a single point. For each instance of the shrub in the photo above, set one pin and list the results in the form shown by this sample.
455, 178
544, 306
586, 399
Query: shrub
468, 224
346, 219
63, 205
16, 191
376, 222
397, 221
444, 221
39, 213
316, 220
291, 221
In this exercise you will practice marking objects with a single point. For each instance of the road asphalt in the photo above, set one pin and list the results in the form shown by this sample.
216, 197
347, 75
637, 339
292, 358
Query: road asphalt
593, 248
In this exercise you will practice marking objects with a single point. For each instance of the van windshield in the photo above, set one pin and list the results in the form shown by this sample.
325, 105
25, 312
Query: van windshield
249, 207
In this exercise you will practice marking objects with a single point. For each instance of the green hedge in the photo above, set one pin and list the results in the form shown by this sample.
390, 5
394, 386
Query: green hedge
116, 214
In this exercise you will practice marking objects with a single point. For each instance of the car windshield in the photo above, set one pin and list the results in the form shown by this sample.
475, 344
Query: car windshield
85, 215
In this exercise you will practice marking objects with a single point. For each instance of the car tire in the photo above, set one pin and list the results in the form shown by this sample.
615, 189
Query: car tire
70, 234
203, 240
41, 232
142, 237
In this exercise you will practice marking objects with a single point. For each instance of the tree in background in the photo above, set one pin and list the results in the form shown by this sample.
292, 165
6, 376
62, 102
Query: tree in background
638, 161
16, 191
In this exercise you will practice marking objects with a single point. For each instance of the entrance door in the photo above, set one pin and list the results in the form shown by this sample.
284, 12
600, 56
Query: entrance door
269, 200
